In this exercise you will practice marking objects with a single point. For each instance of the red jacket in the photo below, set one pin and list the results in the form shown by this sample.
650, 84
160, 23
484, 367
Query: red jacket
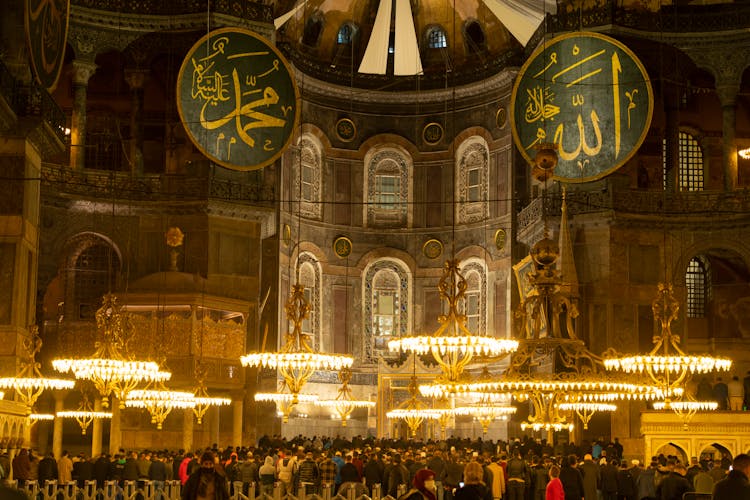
554, 490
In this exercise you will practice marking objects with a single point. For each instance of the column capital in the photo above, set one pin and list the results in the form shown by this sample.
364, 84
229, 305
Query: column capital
136, 78
728, 94
83, 70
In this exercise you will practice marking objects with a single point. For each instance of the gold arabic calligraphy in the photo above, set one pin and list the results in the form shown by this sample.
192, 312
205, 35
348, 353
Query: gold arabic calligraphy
248, 95
541, 105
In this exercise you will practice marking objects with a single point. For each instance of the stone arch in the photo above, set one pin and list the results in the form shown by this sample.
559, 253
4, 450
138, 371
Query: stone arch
392, 161
309, 274
707, 247
670, 447
716, 449
471, 179
475, 273
396, 271
307, 167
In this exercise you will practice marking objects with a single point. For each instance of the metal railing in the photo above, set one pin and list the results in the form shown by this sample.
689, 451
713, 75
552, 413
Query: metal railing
31, 100
172, 490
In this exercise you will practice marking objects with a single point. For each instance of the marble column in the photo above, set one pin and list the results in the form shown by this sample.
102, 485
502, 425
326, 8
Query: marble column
57, 428
187, 429
82, 72
115, 434
136, 80
96, 431
728, 98
237, 419
214, 422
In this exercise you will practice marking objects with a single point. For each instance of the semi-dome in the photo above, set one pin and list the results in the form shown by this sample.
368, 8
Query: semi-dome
368, 43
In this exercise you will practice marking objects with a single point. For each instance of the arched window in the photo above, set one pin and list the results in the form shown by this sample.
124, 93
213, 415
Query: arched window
689, 163
93, 271
474, 305
308, 177
436, 38
309, 277
472, 180
387, 178
698, 283
475, 39
313, 29
386, 295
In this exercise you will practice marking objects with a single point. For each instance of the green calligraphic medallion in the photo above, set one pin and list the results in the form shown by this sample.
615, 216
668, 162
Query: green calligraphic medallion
237, 99
46, 23
590, 95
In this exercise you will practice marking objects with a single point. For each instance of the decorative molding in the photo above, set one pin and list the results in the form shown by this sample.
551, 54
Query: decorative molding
388, 161
472, 153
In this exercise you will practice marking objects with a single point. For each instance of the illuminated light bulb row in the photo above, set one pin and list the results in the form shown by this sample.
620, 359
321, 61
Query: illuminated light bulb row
464, 344
84, 414
690, 406
24, 383
547, 426
160, 399
207, 401
111, 369
404, 413
671, 364
336, 403
283, 397
484, 411
36, 417
297, 360
585, 406
623, 390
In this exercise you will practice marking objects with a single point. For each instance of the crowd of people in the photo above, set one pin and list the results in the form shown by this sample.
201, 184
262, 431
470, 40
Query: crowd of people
454, 469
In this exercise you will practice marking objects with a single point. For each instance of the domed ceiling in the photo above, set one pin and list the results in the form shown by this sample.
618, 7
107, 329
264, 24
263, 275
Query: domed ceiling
369, 42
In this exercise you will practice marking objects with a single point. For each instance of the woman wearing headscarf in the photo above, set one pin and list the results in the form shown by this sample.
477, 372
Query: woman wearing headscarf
423, 486
474, 487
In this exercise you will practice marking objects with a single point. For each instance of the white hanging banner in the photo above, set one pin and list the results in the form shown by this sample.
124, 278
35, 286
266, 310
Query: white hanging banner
281, 20
375, 59
521, 17
406, 49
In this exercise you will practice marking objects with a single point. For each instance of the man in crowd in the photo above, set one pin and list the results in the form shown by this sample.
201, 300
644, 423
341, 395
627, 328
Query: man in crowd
735, 486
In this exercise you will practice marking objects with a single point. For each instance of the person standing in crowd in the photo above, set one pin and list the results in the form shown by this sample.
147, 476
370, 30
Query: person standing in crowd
248, 472
736, 393
645, 484
206, 483
518, 476
539, 478
423, 486
591, 478
609, 479
674, 485
267, 476
286, 469
47, 469
309, 474
571, 478
735, 486
626, 489
474, 487
397, 475
157, 472
373, 472
703, 483
64, 468
327, 471
554, 489
22, 467
498, 478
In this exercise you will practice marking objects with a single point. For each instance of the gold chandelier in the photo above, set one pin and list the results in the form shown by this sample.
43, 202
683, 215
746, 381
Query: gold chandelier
285, 401
344, 404
297, 360
29, 383
413, 411
586, 410
109, 368
159, 401
38, 417
452, 345
668, 366
202, 400
84, 415
488, 408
